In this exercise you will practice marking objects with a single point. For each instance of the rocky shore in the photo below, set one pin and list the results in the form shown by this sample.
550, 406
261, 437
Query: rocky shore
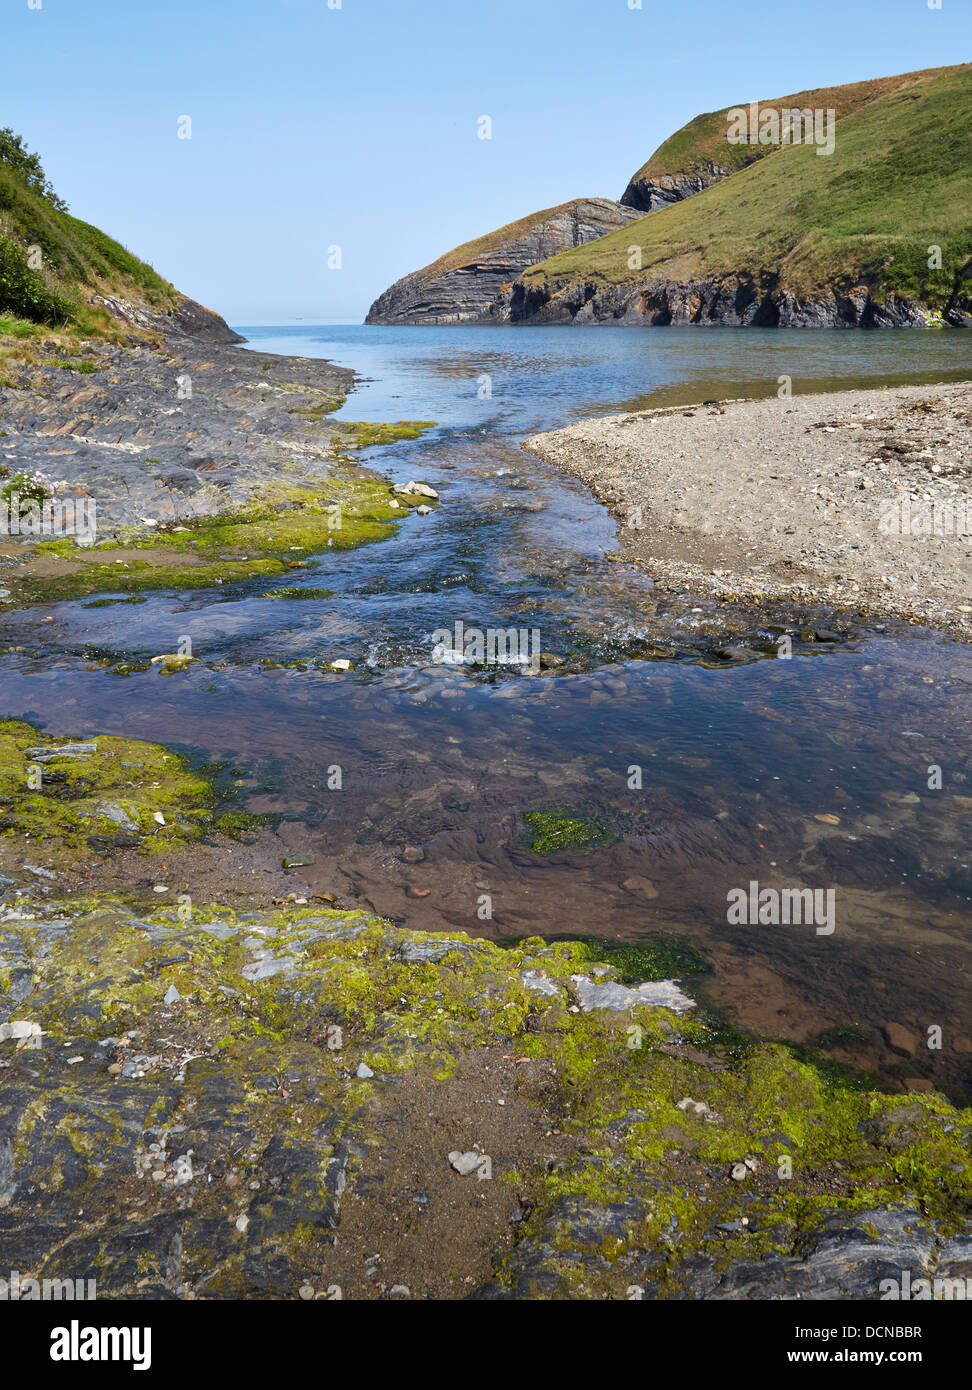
311, 1103
283, 1095
203, 461
859, 499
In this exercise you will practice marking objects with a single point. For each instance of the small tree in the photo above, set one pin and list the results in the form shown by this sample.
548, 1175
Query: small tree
15, 154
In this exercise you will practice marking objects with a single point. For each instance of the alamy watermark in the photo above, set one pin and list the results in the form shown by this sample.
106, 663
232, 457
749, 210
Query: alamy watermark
18, 1289
492, 646
900, 516
768, 125
774, 907
29, 506
940, 1287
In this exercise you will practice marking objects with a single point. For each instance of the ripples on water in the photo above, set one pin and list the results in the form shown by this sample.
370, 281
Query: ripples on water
738, 763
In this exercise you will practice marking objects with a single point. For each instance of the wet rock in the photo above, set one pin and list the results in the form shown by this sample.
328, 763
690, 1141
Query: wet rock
414, 489
539, 984
618, 997
899, 1038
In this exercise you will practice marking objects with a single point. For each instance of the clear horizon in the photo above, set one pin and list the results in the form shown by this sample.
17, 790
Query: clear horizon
356, 127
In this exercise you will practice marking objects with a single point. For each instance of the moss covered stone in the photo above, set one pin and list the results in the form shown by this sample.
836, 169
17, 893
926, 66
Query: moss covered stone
56, 795
219, 1076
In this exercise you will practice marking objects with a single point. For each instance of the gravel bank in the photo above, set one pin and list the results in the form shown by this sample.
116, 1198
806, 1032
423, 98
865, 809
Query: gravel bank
856, 499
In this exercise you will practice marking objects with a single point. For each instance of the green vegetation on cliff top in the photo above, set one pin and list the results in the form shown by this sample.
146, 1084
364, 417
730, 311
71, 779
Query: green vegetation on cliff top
702, 142
895, 185
75, 259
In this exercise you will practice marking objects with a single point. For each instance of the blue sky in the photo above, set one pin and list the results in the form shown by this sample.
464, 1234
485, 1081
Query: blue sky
357, 126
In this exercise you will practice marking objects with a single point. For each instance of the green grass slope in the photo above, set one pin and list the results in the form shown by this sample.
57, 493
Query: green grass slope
897, 183
702, 142
76, 260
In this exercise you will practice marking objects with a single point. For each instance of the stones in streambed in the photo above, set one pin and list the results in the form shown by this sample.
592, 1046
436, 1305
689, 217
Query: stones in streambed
640, 886
415, 489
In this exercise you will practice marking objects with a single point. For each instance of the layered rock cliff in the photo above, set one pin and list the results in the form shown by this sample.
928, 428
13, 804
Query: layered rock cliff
463, 285
648, 193
773, 234
871, 231
736, 301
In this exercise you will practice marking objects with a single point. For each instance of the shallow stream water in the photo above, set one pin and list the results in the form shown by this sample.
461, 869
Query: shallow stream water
738, 759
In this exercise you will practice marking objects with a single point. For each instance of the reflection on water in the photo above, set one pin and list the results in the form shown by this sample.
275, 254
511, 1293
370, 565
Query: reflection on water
738, 760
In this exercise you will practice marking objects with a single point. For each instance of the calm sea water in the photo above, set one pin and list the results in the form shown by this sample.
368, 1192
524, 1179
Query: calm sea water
738, 761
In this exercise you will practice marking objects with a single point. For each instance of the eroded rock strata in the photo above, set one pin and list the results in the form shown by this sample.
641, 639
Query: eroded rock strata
462, 286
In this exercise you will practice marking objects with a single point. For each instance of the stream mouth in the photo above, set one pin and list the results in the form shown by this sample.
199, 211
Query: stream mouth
664, 719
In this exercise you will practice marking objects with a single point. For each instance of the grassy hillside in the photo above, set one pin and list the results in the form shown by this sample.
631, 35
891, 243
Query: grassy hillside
702, 142
896, 184
76, 259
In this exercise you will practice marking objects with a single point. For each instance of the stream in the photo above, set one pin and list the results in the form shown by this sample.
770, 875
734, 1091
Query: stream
736, 760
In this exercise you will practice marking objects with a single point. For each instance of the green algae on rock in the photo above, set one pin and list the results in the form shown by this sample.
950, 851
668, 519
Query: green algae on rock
551, 831
265, 539
60, 795
214, 1084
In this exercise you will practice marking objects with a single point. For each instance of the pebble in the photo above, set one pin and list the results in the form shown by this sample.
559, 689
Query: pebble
465, 1163
363, 1072
19, 1029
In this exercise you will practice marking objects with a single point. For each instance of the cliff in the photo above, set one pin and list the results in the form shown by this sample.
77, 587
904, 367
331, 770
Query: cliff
461, 286
877, 232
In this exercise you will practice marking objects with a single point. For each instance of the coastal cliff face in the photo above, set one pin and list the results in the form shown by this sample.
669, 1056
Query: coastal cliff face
738, 233
734, 302
873, 235
649, 193
186, 320
463, 286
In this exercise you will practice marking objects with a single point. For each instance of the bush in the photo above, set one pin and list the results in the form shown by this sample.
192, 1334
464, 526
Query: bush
23, 292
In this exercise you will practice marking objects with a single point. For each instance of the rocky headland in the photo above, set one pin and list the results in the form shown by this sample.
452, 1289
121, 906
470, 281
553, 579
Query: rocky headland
464, 285
753, 233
